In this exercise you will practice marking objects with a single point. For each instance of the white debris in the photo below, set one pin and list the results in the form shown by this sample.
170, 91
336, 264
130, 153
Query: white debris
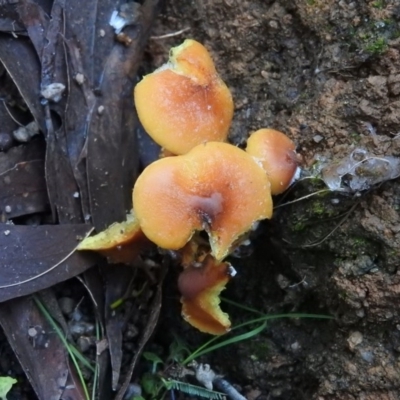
53, 92
25, 133
231, 271
127, 15
205, 375
117, 22
359, 171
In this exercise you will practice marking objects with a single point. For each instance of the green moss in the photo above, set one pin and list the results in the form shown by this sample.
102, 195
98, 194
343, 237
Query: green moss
377, 47
318, 208
355, 137
359, 241
379, 4
299, 226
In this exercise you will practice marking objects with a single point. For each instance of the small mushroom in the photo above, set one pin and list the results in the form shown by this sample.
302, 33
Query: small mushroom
277, 154
216, 187
184, 102
200, 287
121, 242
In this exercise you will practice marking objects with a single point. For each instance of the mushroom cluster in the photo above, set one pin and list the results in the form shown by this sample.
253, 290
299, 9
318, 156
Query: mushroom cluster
205, 184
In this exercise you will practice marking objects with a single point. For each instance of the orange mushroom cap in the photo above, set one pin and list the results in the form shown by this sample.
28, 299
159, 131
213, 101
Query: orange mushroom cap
277, 154
215, 187
200, 288
184, 103
121, 242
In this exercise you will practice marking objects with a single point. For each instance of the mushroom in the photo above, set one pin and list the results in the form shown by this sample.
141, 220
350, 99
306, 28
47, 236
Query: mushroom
215, 187
184, 102
276, 152
121, 242
200, 287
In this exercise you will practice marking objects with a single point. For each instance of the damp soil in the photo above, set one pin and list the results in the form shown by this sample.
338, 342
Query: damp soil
327, 73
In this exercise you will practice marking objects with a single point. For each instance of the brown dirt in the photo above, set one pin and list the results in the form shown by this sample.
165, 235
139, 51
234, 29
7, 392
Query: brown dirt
328, 74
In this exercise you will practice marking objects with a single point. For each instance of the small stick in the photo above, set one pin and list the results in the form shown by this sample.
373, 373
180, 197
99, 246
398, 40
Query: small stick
169, 35
224, 386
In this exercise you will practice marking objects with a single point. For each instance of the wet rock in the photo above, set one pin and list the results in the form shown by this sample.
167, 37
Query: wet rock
6, 141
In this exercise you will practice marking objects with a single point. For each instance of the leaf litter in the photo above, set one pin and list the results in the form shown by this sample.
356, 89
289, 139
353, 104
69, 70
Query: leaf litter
83, 173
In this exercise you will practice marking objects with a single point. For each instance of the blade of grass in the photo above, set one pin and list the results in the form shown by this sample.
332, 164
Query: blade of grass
60, 334
238, 305
96, 369
83, 360
235, 339
203, 348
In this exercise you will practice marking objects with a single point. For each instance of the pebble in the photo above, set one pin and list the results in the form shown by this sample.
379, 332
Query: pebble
81, 328
53, 92
84, 343
6, 141
133, 391
367, 356
67, 305
25, 133
354, 339
318, 138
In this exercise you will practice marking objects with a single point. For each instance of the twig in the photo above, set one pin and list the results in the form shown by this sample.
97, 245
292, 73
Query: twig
224, 386
169, 35
302, 198
333, 230
208, 378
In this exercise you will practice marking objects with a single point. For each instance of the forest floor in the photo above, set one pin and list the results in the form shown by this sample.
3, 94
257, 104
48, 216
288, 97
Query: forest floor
327, 73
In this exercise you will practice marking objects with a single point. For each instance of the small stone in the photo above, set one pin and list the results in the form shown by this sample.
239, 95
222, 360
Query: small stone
6, 141
102, 32
367, 356
354, 339
53, 92
318, 138
21, 135
84, 343
295, 346
100, 110
32, 332
133, 391
273, 24
78, 328
6, 233
82, 328
8, 209
67, 305
25, 133
79, 78
282, 281
360, 313
77, 315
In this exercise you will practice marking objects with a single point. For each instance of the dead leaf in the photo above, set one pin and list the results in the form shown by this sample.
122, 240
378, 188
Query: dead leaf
23, 190
36, 257
26, 74
112, 158
39, 349
154, 313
